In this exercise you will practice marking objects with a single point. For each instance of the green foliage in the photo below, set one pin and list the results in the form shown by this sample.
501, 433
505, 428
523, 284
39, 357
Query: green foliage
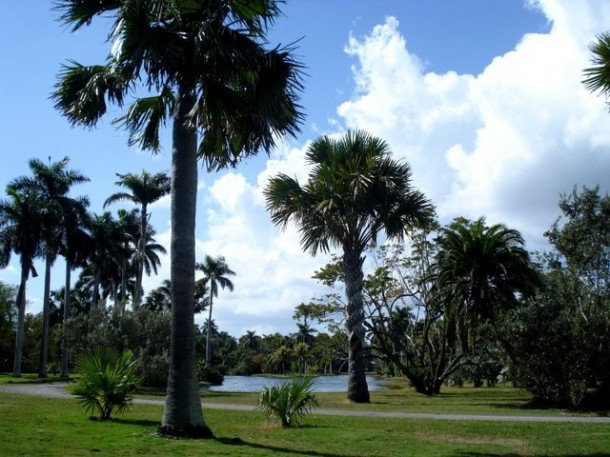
144, 332
559, 345
107, 381
289, 402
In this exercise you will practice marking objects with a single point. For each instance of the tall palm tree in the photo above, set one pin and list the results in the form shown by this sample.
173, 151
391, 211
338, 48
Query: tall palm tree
53, 182
129, 225
145, 189
597, 77
354, 191
21, 227
215, 272
227, 96
75, 250
481, 269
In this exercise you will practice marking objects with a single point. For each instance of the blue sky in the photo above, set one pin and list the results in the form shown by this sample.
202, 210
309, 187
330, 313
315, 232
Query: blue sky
482, 97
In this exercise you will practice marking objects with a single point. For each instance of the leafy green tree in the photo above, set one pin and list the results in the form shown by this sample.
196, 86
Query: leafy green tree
407, 318
559, 345
144, 189
215, 274
107, 380
21, 232
227, 97
354, 191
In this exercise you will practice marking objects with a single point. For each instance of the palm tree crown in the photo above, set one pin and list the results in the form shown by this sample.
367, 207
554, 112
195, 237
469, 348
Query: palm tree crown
597, 77
354, 191
480, 269
145, 190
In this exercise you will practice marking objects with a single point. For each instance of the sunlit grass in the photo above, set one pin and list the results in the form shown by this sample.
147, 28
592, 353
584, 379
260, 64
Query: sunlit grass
54, 427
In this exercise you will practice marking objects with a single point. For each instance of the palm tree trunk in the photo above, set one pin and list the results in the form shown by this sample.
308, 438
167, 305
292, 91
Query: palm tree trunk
208, 348
137, 296
123, 287
65, 346
44, 343
357, 387
183, 415
20, 323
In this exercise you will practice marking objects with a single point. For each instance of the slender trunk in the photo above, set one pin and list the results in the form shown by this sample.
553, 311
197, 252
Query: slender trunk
123, 287
20, 322
65, 346
44, 343
183, 415
357, 387
97, 276
208, 350
137, 295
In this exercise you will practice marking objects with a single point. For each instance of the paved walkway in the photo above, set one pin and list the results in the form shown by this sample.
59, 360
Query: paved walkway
58, 390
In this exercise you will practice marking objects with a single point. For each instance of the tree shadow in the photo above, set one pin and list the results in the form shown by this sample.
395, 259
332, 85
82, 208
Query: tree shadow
239, 442
539, 406
511, 454
139, 422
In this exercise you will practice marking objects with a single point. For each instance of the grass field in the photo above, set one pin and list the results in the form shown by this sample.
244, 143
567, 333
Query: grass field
33, 426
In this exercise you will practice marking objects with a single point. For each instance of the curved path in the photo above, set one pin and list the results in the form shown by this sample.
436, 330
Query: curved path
58, 390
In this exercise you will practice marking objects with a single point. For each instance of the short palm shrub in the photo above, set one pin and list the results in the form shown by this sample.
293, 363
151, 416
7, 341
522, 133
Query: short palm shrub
289, 401
107, 381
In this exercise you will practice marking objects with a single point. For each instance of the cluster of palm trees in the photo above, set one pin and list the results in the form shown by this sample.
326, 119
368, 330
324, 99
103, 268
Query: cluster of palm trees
40, 220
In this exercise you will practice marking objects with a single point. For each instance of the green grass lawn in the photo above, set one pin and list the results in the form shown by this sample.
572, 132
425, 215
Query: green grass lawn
33, 426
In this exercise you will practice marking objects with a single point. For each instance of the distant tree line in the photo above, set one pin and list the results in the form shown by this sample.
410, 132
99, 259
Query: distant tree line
460, 303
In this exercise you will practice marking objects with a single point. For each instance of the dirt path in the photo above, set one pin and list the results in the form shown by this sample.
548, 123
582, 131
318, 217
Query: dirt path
58, 390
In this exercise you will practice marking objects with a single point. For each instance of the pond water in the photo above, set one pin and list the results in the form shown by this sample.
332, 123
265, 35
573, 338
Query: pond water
336, 383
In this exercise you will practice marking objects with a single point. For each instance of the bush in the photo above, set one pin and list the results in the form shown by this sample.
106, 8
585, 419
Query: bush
214, 374
289, 401
107, 381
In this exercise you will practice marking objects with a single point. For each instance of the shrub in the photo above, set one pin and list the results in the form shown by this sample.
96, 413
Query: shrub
107, 381
289, 401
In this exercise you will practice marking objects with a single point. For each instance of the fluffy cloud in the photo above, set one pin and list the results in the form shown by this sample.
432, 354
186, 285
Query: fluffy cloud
504, 143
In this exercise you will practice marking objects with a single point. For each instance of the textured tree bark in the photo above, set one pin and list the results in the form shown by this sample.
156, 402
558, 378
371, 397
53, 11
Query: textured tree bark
20, 322
44, 343
357, 387
208, 342
183, 415
65, 346
137, 295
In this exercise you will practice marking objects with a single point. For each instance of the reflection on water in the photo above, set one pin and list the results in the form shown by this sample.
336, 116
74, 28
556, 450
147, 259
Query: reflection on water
258, 383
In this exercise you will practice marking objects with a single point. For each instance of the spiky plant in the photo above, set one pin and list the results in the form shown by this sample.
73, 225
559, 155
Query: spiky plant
289, 402
107, 381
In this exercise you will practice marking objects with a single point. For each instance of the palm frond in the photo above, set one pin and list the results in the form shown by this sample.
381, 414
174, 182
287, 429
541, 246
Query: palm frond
82, 91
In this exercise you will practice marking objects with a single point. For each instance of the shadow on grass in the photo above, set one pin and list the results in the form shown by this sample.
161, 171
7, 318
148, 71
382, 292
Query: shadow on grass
139, 422
536, 406
510, 454
246, 444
